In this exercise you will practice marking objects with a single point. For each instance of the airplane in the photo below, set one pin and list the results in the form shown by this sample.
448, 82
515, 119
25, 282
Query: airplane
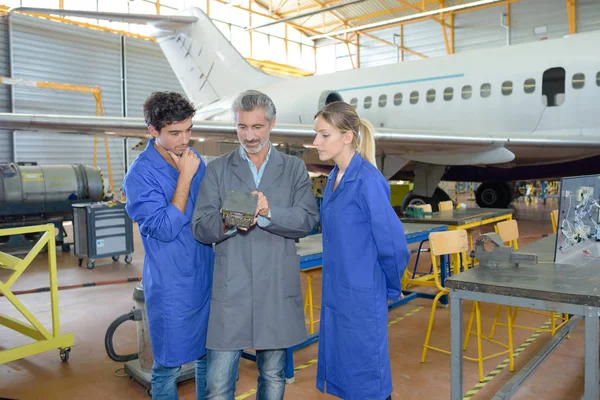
495, 116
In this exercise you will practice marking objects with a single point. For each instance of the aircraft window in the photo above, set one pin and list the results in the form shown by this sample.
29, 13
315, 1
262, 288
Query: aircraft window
529, 85
486, 90
414, 97
431, 95
382, 100
448, 93
466, 92
507, 88
354, 102
598, 79
578, 81
398, 97
368, 101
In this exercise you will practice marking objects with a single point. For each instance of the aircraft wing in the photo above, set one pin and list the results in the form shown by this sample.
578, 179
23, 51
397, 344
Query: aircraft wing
431, 147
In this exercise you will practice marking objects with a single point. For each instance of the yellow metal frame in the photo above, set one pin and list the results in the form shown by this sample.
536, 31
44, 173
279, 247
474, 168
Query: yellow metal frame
44, 339
554, 220
308, 299
475, 312
564, 318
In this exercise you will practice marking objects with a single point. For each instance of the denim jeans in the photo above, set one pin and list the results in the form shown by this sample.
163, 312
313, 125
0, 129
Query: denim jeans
164, 381
222, 373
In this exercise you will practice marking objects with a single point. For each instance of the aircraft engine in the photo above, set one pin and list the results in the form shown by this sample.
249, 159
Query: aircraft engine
329, 96
45, 190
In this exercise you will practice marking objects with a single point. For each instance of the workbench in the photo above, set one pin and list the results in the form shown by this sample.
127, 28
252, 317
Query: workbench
310, 250
463, 218
563, 288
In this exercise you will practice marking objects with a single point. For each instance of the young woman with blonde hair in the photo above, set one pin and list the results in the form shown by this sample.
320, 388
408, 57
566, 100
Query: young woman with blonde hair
364, 257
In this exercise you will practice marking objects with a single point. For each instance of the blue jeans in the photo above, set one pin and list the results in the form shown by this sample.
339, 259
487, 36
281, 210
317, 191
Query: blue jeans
164, 381
222, 373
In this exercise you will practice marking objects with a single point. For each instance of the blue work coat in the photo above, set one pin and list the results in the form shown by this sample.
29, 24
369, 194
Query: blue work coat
364, 256
177, 275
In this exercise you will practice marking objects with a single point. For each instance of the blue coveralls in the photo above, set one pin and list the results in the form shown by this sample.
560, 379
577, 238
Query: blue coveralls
177, 275
364, 257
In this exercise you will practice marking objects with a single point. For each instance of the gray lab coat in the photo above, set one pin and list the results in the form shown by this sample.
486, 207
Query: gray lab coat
256, 296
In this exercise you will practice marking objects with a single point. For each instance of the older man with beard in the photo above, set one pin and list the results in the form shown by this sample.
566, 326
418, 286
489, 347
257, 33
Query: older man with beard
256, 298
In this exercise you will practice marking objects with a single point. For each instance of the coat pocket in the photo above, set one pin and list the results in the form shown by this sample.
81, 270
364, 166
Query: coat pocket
291, 276
355, 307
220, 272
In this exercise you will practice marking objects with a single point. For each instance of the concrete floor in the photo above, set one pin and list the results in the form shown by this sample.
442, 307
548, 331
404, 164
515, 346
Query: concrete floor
90, 374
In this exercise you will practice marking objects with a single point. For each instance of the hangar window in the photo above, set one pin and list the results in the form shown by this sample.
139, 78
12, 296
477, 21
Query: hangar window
507, 87
578, 81
414, 97
529, 85
368, 101
398, 97
598, 79
448, 93
382, 100
486, 90
431, 95
354, 102
467, 91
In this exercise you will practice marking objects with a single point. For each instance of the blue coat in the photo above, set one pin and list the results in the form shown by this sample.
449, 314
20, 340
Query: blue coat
364, 257
177, 275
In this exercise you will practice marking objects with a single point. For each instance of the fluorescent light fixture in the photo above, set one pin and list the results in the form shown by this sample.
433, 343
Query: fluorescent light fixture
405, 18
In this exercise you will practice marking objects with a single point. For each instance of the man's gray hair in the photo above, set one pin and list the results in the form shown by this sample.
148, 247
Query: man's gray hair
250, 100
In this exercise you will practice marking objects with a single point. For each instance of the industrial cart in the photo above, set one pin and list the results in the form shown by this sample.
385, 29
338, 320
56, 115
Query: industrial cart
102, 229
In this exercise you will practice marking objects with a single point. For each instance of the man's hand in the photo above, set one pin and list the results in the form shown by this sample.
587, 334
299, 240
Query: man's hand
262, 205
251, 225
187, 164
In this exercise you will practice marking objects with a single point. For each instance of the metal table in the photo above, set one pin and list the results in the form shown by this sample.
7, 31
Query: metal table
464, 218
310, 250
570, 289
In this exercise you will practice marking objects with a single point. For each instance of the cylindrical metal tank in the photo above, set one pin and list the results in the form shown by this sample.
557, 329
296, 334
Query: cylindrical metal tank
49, 183
145, 355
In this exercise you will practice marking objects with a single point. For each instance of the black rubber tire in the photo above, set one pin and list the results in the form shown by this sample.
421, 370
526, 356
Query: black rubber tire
108, 339
493, 195
413, 199
128, 259
64, 354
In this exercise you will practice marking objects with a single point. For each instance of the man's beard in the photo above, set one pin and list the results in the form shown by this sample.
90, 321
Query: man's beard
257, 149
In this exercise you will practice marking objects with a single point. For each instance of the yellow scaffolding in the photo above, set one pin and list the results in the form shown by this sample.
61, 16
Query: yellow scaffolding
45, 340
94, 90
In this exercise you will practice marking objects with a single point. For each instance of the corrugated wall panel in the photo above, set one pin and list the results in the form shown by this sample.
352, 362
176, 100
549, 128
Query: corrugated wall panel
479, 30
6, 145
134, 149
426, 38
56, 52
146, 71
50, 51
530, 14
588, 15
373, 52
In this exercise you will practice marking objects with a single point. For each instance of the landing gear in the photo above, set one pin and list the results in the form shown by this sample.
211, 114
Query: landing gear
414, 200
494, 195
